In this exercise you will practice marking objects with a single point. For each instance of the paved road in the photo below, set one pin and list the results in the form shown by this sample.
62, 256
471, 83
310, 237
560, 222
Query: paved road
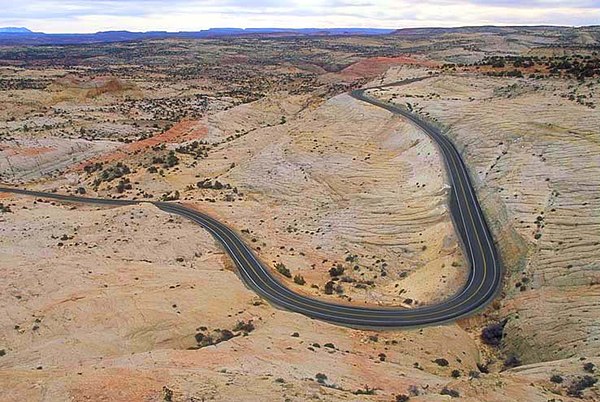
482, 285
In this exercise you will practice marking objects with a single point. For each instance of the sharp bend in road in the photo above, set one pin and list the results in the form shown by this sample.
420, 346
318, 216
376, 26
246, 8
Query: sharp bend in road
485, 272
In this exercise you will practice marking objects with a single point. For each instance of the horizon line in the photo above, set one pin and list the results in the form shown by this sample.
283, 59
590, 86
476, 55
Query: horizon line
33, 31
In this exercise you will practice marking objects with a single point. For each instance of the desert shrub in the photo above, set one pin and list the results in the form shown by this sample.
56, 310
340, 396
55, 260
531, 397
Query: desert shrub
329, 287
351, 258
589, 367
225, 335
576, 389
441, 362
493, 334
365, 391
112, 172
171, 160
455, 373
123, 185
299, 279
321, 378
451, 392
402, 398
205, 340
336, 271
557, 379
171, 196
4, 208
512, 361
483, 368
93, 167
283, 270
243, 326
167, 394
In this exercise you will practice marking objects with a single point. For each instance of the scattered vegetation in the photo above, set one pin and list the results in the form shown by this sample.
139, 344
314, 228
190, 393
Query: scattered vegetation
110, 173
204, 337
581, 384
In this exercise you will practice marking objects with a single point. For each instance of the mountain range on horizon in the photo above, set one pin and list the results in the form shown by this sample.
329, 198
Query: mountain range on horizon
19, 30
25, 36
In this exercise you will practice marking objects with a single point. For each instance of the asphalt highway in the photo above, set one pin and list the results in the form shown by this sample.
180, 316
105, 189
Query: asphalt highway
485, 273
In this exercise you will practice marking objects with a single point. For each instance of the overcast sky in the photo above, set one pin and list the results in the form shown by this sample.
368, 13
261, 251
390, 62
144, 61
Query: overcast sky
176, 15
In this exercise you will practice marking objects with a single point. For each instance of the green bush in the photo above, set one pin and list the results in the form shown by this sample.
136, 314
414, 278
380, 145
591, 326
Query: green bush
283, 270
299, 280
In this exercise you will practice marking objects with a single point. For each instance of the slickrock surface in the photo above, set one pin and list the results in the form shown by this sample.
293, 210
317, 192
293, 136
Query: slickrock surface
105, 304
320, 184
132, 304
535, 157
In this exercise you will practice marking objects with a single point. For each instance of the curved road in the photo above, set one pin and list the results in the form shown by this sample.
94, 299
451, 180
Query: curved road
484, 277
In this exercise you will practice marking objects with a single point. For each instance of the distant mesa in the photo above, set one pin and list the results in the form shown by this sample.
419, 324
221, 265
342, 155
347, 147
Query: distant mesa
21, 30
23, 36
481, 29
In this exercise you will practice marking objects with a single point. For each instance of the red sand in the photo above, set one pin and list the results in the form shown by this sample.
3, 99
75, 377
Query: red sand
26, 151
378, 65
180, 132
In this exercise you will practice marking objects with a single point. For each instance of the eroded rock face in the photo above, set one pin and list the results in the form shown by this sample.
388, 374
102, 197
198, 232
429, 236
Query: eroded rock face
535, 158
